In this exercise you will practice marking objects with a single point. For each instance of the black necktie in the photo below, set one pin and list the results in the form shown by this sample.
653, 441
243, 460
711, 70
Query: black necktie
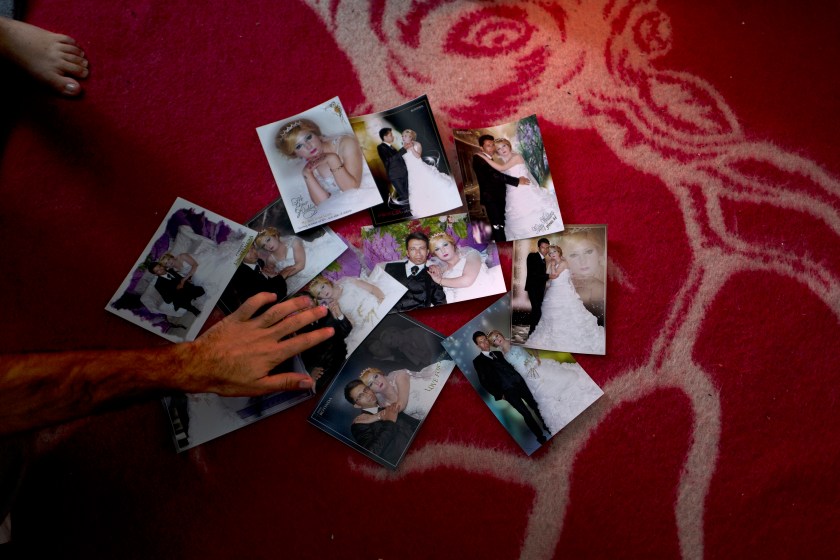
414, 269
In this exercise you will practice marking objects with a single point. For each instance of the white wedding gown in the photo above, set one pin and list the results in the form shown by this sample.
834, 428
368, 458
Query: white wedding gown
362, 309
566, 325
424, 387
529, 209
341, 203
214, 265
430, 192
562, 390
486, 283
314, 265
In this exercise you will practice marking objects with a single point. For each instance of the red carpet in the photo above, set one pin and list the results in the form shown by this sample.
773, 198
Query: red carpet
703, 133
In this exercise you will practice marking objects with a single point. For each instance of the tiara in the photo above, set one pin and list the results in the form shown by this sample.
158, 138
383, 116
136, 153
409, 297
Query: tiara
288, 129
438, 235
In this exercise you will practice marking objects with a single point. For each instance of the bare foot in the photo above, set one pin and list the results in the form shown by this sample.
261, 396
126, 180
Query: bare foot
50, 58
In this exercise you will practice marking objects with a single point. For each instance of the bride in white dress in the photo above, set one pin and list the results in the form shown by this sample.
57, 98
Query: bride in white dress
337, 179
462, 271
565, 325
202, 266
357, 299
413, 392
430, 192
562, 390
526, 206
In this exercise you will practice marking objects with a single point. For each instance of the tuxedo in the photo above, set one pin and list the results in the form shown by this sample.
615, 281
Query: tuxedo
422, 290
499, 378
535, 280
385, 439
247, 282
395, 168
168, 288
492, 187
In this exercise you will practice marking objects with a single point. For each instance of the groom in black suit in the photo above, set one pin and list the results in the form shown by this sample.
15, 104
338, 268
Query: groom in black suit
389, 435
492, 186
535, 280
249, 280
499, 378
413, 274
173, 289
394, 165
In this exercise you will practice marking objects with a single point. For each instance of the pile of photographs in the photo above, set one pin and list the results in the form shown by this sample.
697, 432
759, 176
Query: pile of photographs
429, 244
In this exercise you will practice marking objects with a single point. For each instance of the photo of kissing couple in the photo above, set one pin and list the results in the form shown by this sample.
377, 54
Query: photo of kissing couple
534, 394
403, 149
507, 181
379, 400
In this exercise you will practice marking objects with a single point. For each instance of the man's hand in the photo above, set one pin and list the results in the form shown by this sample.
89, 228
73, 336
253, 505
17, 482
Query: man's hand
233, 357
524, 181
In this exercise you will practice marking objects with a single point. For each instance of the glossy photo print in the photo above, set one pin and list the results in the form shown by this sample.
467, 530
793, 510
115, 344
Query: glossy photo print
507, 181
318, 166
408, 161
280, 261
182, 272
534, 394
386, 390
560, 291
439, 260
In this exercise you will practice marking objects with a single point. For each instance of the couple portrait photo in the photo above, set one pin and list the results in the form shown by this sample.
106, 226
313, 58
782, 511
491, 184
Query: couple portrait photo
376, 406
534, 394
318, 166
403, 149
507, 180
439, 260
280, 261
182, 272
559, 291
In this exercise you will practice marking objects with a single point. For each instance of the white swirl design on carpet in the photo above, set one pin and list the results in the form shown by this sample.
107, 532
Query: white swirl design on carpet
590, 65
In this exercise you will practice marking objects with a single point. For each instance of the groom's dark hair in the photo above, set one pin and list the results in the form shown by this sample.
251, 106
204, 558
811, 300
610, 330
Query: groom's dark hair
417, 235
349, 387
543, 240
383, 132
476, 334
483, 138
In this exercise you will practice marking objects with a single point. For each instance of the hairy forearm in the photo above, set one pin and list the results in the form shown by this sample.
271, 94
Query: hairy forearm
37, 390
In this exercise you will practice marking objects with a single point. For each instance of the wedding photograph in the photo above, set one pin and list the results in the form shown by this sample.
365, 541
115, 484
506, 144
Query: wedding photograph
280, 261
439, 260
406, 156
182, 272
534, 394
507, 181
360, 296
197, 418
560, 292
318, 166
376, 406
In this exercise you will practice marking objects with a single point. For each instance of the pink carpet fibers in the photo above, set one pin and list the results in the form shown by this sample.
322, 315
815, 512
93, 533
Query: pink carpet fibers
703, 133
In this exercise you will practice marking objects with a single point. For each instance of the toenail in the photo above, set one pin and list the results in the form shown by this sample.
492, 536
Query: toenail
71, 88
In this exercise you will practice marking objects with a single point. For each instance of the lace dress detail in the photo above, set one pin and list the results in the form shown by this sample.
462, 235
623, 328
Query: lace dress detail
562, 390
565, 324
